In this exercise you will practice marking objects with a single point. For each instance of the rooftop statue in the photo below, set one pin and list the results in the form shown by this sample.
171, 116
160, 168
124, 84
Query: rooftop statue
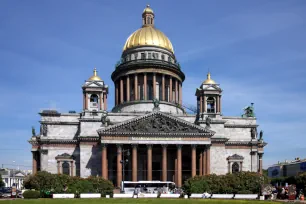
249, 111
208, 122
105, 119
261, 135
33, 132
156, 104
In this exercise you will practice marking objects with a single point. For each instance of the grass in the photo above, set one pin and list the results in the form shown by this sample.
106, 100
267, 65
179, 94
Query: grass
141, 200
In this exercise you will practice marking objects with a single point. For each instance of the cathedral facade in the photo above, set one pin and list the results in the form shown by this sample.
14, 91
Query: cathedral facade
147, 135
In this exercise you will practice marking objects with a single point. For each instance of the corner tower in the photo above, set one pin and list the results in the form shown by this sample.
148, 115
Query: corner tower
148, 70
94, 94
209, 98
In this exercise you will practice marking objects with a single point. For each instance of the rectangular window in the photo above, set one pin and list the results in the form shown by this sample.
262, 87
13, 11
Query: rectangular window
149, 55
143, 55
163, 57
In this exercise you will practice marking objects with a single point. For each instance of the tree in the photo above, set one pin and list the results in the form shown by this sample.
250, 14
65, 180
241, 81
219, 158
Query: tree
2, 184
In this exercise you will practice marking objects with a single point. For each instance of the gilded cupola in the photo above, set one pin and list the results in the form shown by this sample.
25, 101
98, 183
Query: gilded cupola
209, 80
148, 35
95, 76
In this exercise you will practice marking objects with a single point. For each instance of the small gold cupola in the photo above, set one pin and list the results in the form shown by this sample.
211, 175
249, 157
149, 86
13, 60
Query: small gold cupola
95, 77
147, 17
209, 80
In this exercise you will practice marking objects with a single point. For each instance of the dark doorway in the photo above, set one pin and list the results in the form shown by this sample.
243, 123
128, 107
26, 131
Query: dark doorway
156, 171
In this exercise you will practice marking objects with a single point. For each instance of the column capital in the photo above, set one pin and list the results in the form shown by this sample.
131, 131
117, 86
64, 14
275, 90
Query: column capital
164, 145
194, 145
104, 145
134, 145
179, 146
149, 146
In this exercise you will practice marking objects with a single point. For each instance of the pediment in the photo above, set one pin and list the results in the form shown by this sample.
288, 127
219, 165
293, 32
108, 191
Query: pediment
156, 123
93, 84
212, 87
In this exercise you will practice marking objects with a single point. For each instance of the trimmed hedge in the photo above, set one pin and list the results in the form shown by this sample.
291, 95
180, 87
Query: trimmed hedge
31, 194
48, 184
242, 183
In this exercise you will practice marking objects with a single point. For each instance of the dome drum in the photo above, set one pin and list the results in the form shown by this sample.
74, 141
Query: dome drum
147, 106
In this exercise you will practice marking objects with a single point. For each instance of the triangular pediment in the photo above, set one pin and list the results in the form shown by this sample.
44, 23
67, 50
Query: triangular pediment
93, 84
156, 123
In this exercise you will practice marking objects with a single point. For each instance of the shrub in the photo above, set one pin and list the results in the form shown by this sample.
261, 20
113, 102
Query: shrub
31, 194
243, 182
48, 183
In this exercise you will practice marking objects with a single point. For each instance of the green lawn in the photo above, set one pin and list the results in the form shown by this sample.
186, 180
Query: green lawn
141, 200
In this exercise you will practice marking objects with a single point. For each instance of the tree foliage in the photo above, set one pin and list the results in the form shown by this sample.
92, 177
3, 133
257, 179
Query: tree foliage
243, 182
47, 184
2, 184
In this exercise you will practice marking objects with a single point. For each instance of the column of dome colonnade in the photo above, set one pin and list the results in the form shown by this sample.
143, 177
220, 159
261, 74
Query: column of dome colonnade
201, 152
148, 70
136, 87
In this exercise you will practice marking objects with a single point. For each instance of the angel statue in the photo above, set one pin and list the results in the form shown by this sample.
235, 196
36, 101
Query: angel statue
156, 104
105, 119
33, 131
207, 122
261, 135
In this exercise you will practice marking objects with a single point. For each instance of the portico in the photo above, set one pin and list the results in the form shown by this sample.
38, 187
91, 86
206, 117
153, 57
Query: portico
170, 150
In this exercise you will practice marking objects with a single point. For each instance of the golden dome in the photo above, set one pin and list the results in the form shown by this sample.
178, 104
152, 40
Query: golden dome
148, 35
95, 77
148, 10
209, 80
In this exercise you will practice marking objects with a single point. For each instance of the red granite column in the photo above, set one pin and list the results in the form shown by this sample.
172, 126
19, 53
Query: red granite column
179, 166
260, 162
201, 104
127, 88
101, 102
104, 161
170, 87
121, 91
193, 160
204, 162
181, 93
176, 91
84, 105
208, 160
117, 94
134, 162
34, 163
205, 104
220, 104
105, 100
119, 165
154, 86
149, 164
136, 87
145, 85
201, 164
164, 162
163, 88
86, 101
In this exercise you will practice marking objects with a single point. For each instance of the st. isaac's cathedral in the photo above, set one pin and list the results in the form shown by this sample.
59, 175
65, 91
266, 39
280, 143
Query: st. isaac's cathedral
148, 135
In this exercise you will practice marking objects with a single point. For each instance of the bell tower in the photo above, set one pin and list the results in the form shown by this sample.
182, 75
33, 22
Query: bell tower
209, 98
94, 94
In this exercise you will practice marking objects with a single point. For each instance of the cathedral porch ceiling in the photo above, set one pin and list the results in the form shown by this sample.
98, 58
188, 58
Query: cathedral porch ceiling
156, 124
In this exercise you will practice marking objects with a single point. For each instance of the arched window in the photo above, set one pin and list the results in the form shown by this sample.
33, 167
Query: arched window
210, 105
148, 20
163, 57
94, 98
66, 168
235, 168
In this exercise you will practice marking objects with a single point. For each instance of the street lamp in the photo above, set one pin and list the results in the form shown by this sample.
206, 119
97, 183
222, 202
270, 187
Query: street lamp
124, 161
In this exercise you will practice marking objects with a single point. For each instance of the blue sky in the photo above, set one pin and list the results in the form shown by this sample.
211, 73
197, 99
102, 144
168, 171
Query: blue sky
256, 50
